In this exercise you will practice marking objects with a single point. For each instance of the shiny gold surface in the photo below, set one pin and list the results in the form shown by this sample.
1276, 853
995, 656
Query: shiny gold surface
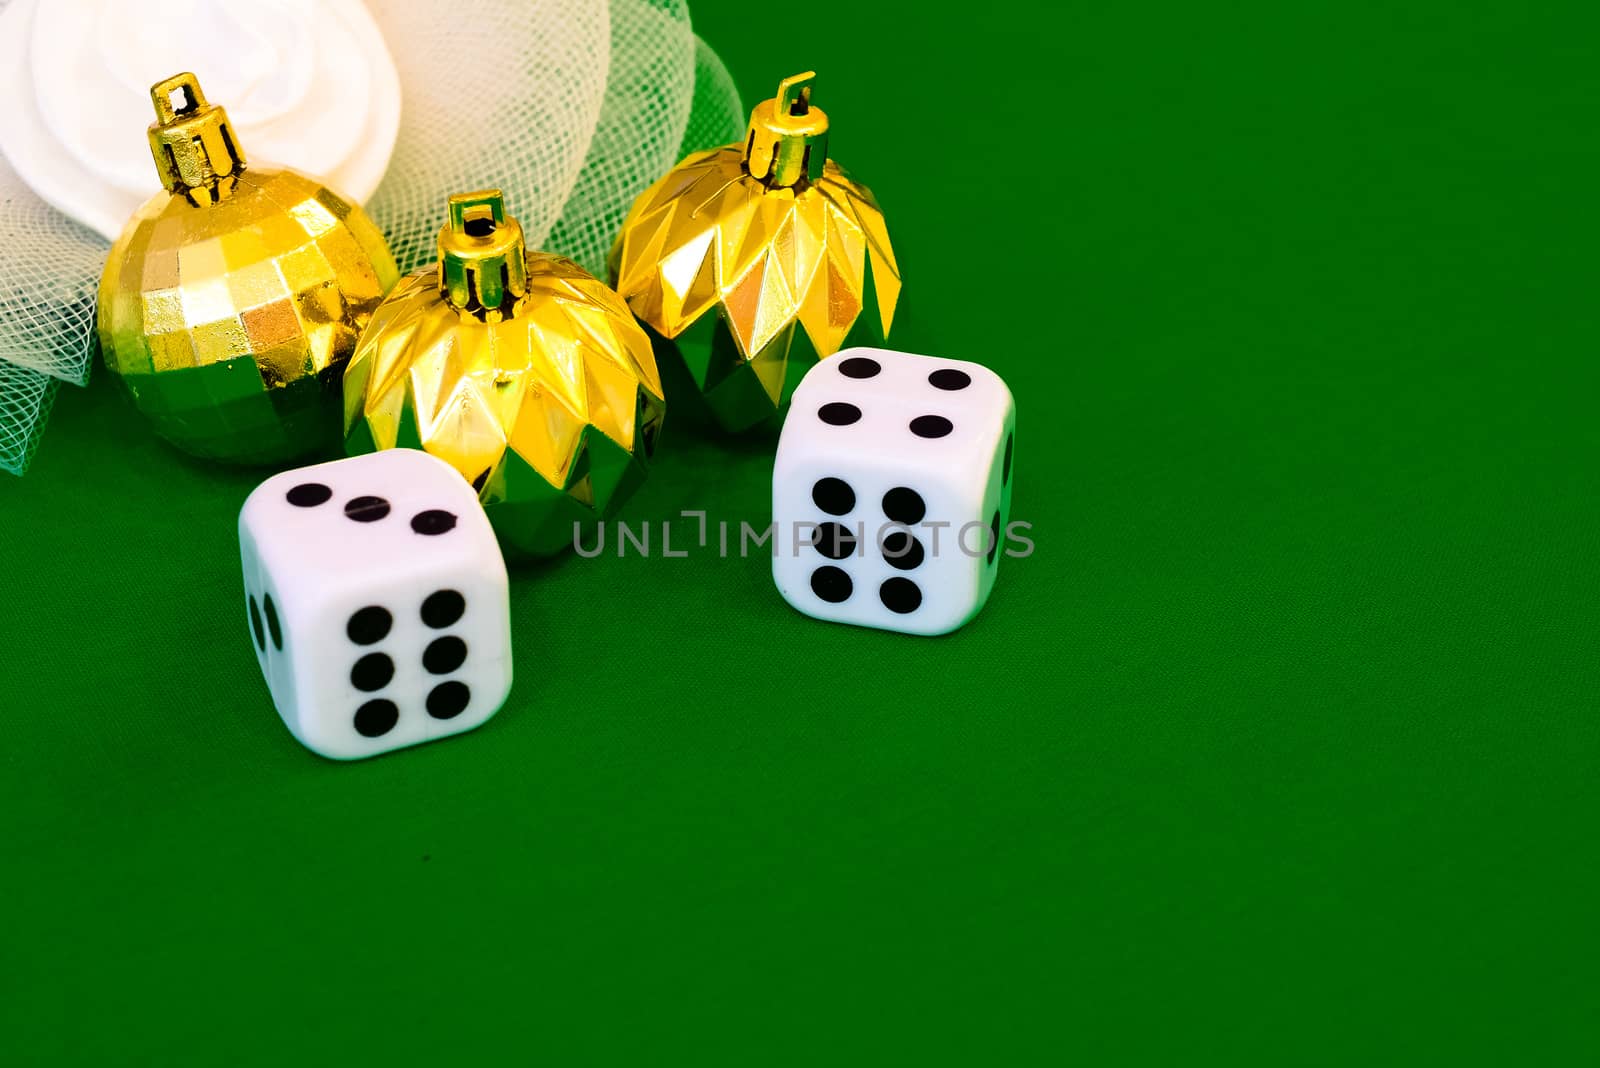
482, 261
191, 141
806, 244
548, 401
232, 300
788, 138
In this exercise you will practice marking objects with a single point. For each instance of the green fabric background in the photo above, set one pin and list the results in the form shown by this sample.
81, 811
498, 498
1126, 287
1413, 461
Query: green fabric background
1282, 747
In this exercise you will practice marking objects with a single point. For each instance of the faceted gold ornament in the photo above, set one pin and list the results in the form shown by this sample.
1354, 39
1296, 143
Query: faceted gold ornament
233, 299
518, 368
723, 257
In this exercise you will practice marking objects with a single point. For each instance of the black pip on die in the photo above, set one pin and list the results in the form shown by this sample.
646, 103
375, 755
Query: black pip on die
892, 490
376, 600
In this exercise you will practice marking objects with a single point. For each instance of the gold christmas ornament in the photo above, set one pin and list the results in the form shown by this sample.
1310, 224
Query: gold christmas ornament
519, 369
233, 299
723, 257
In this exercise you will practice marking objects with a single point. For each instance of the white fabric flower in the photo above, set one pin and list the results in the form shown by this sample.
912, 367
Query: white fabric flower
307, 83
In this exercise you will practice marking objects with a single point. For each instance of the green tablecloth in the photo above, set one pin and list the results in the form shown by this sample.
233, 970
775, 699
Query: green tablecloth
1281, 748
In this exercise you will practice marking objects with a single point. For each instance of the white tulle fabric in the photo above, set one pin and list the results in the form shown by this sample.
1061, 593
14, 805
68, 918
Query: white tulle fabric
572, 107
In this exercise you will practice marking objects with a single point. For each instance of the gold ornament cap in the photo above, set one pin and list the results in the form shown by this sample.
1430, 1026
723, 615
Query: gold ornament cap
483, 259
192, 142
788, 138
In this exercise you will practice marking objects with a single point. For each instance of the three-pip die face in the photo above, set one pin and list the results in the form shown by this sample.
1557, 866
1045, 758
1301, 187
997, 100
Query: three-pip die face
376, 600
892, 490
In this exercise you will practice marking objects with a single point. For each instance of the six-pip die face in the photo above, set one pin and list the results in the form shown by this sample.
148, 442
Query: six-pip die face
376, 599
891, 490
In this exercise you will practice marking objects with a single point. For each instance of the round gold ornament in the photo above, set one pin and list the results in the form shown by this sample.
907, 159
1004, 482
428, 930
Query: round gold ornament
519, 369
735, 247
233, 299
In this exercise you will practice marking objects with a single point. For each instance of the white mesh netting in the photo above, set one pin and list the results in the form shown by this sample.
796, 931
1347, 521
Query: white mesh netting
572, 107
510, 94
716, 117
47, 289
25, 399
47, 308
646, 109
571, 124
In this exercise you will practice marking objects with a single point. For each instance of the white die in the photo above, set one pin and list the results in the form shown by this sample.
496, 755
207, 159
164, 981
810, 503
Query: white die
376, 597
892, 489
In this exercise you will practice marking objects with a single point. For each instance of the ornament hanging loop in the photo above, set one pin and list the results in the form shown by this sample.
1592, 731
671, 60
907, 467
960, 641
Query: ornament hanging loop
192, 142
787, 140
483, 263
